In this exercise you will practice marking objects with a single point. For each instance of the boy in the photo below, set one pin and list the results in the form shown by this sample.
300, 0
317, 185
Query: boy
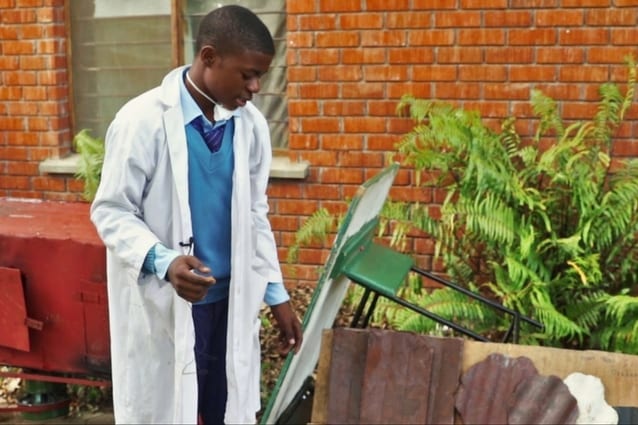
182, 210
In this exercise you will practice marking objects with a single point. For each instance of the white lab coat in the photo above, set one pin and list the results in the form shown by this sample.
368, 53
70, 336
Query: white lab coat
143, 199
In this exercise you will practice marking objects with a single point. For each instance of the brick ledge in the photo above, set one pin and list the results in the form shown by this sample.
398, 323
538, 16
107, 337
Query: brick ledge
67, 165
281, 168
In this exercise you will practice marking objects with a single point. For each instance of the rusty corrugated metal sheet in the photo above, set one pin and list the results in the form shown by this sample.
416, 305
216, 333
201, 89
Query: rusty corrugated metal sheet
378, 376
505, 390
542, 400
487, 385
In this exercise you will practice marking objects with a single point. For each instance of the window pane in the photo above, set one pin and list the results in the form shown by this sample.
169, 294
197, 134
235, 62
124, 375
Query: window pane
272, 98
120, 48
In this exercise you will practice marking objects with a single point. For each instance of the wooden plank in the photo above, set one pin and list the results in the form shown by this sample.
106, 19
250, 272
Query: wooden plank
396, 383
322, 378
381, 376
446, 372
344, 397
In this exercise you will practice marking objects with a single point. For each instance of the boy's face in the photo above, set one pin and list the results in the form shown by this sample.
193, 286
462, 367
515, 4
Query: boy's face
232, 79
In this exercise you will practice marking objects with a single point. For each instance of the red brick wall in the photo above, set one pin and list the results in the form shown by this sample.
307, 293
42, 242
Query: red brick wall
351, 60
349, 63
34, 98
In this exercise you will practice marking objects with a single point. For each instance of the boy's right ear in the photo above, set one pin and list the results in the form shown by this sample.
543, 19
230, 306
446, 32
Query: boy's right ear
207, 55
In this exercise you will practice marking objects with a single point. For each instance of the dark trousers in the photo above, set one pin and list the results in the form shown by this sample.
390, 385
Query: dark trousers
211, 321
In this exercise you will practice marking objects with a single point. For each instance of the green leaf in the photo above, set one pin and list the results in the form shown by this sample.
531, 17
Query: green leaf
91, 152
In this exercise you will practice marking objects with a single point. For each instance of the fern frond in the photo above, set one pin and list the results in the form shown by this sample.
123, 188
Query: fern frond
91, 152
448, 304
556, 323
490, 219
620, 307
315, 229
587, 309
547, 110
632, 78
616, 218
622, 338
614, 104
609, 112
510, 138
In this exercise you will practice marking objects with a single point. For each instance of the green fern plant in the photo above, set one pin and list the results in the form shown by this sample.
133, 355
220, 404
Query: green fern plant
91, 151
547, 231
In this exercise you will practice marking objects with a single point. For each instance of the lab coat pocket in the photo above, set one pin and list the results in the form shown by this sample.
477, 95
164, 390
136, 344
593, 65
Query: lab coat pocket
159, 296
156, 296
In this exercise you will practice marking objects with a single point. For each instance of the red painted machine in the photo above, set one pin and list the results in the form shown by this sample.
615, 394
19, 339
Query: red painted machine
53, 302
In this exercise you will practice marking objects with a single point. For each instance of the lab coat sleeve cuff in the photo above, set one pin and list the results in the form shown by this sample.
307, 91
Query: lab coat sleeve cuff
163, 258
276, 294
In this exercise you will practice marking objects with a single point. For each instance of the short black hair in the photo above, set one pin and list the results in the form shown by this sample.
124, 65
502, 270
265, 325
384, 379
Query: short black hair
233, 29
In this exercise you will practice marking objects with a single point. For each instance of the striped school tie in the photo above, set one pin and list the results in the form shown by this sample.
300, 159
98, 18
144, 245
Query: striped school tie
212, 136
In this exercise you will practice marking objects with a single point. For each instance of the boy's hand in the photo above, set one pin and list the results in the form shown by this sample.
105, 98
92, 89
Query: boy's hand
190, 277
290, 335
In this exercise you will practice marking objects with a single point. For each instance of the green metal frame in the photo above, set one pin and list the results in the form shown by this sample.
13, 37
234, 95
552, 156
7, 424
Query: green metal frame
356, 232
377, 267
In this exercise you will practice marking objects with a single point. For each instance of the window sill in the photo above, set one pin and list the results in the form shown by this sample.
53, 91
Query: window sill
68, 165
281, 167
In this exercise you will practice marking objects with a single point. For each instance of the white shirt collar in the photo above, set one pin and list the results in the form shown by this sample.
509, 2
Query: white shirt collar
191, 110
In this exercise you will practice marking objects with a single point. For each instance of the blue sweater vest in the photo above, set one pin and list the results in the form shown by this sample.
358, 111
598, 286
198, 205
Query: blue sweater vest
210, 182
